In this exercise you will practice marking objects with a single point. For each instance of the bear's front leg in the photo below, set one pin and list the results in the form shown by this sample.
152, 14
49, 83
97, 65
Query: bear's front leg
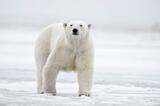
85, 82
49, 75
49, 80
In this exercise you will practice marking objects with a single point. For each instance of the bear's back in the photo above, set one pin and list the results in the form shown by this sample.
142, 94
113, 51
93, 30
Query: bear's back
50, 35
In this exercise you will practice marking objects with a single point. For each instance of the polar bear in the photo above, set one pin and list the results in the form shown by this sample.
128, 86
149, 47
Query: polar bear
67, 47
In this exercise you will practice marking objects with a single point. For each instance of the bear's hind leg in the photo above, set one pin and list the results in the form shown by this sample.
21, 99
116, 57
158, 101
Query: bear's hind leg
40, 62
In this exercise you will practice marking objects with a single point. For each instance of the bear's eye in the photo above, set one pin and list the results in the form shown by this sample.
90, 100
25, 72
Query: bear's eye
71, 25
81, 25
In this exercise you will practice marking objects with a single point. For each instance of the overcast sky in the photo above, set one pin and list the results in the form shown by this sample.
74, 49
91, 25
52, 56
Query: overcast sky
98, 12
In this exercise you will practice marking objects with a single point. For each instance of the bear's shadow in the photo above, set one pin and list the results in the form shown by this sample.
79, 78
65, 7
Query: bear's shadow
67, 94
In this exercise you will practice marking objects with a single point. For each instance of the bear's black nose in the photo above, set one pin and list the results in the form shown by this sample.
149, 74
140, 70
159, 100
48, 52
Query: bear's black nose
75, 31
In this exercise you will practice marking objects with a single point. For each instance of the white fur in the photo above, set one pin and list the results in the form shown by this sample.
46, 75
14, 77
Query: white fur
57, 49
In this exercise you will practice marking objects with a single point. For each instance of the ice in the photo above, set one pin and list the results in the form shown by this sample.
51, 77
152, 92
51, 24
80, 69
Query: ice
126, 73
24, 94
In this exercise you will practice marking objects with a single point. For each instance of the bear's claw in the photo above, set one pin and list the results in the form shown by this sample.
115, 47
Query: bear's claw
84, 95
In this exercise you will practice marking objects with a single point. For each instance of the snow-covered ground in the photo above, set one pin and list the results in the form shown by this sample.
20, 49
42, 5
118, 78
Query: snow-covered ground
127, 70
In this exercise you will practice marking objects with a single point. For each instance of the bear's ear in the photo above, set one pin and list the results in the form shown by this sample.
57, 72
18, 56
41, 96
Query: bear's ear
89, 25
64, 25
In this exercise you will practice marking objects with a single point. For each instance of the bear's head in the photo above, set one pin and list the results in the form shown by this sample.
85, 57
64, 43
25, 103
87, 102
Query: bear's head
77, 30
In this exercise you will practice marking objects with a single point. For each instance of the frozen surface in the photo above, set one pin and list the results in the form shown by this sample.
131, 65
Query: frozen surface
127, 71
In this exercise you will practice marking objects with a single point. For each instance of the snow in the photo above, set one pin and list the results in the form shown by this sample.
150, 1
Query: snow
127, 70
23, 93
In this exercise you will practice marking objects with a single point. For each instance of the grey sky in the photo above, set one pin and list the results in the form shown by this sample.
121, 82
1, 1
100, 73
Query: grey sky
99, 12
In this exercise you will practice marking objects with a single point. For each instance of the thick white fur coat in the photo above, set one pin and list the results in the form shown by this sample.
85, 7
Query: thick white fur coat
57, 49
